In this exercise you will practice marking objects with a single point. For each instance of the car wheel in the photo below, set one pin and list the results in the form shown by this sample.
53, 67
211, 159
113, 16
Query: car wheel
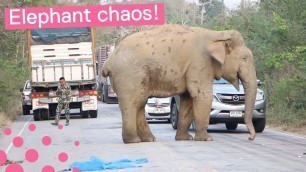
174, 116
231, 125
169, 120
259, 125
26, 110
193, 125
93, 113
37, 115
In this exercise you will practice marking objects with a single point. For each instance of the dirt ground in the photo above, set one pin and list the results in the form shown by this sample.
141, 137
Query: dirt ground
288, 129
3, 120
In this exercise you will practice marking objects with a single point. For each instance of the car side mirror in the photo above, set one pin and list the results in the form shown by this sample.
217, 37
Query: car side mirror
21, 90
259, 83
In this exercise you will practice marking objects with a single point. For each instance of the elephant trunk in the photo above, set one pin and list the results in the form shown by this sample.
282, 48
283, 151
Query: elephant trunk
250, 90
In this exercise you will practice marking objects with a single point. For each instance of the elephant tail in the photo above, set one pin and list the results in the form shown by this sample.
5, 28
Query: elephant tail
105, 69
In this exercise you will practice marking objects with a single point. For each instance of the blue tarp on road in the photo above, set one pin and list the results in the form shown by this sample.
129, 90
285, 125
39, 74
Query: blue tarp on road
95, 164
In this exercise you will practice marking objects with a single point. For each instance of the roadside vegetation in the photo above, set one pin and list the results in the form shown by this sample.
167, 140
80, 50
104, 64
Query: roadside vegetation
274, 30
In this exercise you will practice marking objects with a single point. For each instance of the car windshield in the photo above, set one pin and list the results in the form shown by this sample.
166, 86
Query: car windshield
223, 81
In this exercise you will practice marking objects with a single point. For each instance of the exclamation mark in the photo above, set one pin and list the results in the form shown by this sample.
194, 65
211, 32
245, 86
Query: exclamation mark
155, 10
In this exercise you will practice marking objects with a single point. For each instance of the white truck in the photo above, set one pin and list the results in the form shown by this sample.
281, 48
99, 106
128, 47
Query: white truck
68, 53
106, 92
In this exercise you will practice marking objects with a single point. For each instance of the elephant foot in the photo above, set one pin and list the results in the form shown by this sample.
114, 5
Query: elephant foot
183, 136
147, 138
134, 139
203, 137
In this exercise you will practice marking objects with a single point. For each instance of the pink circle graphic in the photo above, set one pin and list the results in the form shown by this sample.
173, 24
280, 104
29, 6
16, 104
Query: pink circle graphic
3, 157
32, 127
76, 143
75, 170
31, 155
48, 168
7, 131
63, 157
46, 140
60, 126
18, 141
14, 168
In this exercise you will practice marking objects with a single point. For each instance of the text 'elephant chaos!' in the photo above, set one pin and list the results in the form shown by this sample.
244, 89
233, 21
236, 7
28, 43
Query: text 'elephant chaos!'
84, 16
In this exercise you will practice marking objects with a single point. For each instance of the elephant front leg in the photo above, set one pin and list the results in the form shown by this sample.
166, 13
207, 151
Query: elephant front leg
143, 129
185, 117
202, 108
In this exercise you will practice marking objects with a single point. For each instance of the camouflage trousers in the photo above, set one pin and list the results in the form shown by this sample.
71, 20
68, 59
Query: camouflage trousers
60, 107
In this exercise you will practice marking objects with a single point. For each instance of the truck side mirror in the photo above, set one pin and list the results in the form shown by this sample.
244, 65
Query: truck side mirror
259, 83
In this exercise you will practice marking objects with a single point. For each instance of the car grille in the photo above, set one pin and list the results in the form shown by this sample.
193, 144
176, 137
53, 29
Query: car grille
232, 98
157, 105
158, 114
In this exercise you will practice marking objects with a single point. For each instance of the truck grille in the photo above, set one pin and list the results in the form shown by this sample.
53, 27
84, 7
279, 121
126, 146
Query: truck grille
232, 98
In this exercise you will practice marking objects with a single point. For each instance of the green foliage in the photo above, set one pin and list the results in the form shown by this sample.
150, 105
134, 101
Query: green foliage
288, 102
12, 78
277, 61
226, 27
281, 28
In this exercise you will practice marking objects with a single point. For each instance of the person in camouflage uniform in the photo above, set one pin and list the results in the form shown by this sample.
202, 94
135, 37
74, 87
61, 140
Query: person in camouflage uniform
64, 95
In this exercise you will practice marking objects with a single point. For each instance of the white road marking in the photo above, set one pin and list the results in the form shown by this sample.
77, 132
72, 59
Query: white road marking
292, 135
19, 134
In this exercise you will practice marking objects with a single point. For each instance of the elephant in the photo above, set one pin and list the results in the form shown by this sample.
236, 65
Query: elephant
173, 60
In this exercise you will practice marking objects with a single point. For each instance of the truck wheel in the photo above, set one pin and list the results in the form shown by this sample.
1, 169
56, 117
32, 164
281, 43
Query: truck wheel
26, 110
52, 112
105, 93
174, 116
102, 96
231, 125
45, 115
37, 115
84, 114
93, 113
259, 125
100, 92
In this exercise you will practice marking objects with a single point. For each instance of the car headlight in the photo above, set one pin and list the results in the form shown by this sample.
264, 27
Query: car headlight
259, 96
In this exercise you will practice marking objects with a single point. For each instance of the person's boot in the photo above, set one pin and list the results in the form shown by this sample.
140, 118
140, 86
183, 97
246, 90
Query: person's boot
67, 123
54, 123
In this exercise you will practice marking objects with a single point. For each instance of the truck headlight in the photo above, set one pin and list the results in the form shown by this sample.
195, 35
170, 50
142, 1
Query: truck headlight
259, 96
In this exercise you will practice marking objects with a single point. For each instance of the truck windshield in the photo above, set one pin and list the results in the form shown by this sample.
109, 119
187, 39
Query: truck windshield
60, 35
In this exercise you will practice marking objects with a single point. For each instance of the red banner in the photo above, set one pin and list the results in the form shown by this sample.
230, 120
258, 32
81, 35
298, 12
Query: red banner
84, 16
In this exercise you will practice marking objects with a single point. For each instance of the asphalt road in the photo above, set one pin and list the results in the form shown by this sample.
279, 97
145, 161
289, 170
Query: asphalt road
101, 137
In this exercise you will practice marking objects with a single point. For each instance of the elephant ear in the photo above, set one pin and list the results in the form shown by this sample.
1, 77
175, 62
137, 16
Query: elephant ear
218, 50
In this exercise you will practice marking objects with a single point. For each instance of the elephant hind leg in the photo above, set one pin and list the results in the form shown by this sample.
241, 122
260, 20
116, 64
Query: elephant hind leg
129, 114
143, 129
185, 118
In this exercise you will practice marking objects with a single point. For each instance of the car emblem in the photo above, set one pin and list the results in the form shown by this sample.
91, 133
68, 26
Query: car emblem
156, 102
235, 98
